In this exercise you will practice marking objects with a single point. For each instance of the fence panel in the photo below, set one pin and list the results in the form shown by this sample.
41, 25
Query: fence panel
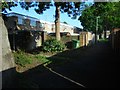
115, 40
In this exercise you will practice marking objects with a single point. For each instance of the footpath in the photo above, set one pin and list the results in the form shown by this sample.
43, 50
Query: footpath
95, 67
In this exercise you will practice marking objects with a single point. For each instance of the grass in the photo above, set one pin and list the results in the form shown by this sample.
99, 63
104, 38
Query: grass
103, 40
22, 59
25, 61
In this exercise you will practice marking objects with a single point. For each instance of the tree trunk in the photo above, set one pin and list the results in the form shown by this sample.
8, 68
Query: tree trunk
95, 37
57, 22
105, 28
6, 57
105, 34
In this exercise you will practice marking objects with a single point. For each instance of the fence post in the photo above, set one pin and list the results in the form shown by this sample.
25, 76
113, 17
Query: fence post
44, 36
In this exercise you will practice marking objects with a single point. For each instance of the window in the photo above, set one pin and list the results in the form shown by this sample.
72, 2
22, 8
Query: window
33, 23
20, 20
42, 25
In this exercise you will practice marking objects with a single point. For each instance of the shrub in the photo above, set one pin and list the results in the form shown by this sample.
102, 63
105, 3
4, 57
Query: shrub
52, 45
21, 58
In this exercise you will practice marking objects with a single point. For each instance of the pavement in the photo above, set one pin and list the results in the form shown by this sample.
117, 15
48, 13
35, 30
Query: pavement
96, 66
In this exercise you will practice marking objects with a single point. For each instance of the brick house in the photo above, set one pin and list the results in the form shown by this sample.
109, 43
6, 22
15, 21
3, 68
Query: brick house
49, 27
22, 22
37, 29
20, 27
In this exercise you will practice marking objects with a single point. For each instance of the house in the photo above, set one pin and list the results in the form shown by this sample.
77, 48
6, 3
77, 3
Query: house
49, 27
22, 22
24, 31
36, 30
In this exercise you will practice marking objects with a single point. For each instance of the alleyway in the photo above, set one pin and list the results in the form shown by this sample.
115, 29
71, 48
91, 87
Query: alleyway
94, 67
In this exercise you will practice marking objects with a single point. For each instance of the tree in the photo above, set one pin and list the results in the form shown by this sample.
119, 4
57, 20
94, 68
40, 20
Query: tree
71, 8
65, 22
109, 16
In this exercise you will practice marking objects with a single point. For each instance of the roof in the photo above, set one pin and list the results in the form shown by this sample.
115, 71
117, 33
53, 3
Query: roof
36, 19
21, 15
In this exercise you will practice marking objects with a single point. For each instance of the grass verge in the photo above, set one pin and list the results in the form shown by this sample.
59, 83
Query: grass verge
25, 61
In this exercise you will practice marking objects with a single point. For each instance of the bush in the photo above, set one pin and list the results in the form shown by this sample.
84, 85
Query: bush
21, 58
52, 45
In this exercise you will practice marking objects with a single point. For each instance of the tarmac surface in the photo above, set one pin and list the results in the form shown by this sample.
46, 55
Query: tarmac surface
96, 66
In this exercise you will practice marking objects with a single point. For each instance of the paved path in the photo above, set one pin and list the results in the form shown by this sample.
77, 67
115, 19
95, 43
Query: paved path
94, 67
97, 67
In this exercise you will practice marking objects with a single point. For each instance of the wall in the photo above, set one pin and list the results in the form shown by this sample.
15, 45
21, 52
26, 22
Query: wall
115, 40
86, 38
35, 41
12, 23
7, 61
66, 28
25, 40
20, 40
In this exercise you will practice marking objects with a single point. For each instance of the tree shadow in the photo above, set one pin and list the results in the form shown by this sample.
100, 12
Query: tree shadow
41, 77
44, 78
91, 74
8, 78
66, 56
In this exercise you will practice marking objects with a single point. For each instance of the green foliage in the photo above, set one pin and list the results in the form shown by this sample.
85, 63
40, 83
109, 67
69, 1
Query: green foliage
65, 22
52, 45
109, 16
71, 8
88, 19
41, 58
21, 58
8, 5
103, 40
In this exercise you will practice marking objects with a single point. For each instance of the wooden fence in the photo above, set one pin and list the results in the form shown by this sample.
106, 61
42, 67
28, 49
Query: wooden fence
115, 40
86, 38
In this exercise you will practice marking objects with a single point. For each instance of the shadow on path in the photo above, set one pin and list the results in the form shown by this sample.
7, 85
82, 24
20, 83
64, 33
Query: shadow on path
94, 67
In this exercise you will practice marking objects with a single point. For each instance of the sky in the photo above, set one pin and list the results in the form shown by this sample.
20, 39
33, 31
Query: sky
47, 15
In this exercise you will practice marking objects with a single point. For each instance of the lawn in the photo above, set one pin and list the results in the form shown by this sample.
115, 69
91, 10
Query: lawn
25, 61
